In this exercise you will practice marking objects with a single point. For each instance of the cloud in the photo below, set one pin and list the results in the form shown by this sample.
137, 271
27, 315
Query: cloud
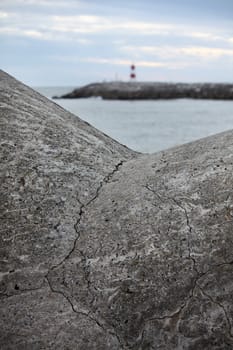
39, 3
41, 34
77, 24
207, 52
3, 15
53, 27
140, 63
101, 24
69, 27
122, 62
205, 36
168, 52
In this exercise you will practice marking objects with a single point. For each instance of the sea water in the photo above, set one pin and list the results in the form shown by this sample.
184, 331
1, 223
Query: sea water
150, 126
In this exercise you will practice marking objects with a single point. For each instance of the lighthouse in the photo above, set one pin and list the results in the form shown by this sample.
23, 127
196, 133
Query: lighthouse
132, 72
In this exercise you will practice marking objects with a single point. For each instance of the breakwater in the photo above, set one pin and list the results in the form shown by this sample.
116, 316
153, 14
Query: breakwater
152, 91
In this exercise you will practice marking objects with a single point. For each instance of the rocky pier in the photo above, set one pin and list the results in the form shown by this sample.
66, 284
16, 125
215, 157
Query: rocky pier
152, 91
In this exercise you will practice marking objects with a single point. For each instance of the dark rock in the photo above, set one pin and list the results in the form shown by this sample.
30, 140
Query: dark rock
103, 248
152, 91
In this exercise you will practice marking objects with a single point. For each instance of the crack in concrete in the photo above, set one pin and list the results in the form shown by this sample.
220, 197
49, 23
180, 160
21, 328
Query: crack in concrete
190, 229
220, 265
82, 210
188, 300
56, 291
199, 274
190, 232
176, 314
85, 314
183, 306
221, 306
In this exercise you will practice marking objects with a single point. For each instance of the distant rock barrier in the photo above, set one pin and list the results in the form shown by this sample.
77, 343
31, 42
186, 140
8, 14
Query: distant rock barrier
105, 248
152, 91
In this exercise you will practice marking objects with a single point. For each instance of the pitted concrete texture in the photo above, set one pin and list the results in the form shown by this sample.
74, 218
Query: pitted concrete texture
103, 248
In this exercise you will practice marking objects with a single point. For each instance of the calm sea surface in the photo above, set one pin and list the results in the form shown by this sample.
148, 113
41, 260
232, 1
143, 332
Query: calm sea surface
150, 126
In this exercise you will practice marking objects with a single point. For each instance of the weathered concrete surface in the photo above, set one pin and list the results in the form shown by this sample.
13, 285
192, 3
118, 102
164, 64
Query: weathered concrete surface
102, 248
152, 91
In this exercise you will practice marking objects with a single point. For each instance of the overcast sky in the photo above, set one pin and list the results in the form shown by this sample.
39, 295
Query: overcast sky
72, 42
